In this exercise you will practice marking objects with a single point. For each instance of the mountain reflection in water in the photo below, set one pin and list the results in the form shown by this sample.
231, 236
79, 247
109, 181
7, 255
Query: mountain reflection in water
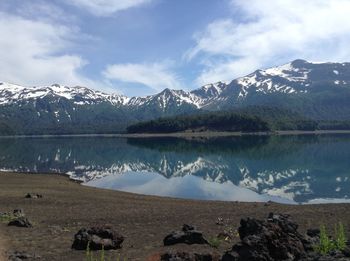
303, 168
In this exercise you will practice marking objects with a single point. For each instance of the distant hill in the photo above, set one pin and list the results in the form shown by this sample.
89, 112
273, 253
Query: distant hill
315, 91
250, 119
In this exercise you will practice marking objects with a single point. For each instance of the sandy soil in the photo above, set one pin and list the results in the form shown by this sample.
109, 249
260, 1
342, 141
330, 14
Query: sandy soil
143, 220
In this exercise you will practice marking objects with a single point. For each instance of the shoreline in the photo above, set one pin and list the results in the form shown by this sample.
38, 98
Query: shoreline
80, 183
67, 206
185, 134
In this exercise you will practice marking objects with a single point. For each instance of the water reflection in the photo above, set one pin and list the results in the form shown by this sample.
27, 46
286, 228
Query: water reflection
186, 187
249, 168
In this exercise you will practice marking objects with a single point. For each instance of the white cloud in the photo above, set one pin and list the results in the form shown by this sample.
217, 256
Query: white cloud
154, 75
107, 7
271, 32
34, 53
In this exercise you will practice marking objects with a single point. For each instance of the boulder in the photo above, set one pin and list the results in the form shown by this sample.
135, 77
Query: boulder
20, 222
275, 238
188, 235
97, 238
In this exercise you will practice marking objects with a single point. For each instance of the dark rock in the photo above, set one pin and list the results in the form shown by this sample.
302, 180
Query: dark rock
189, 235
19, 255
33, 196
346, 252
313, 232
183, 256
186, 228
20, 222
18, 212
230, 256
275, 238
97, 238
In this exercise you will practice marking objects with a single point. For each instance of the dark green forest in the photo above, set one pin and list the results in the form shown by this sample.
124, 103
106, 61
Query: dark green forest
252, 119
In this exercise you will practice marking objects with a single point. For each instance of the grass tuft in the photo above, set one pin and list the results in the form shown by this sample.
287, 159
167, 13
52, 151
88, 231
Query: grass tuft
102, 257
214, 242
6, 217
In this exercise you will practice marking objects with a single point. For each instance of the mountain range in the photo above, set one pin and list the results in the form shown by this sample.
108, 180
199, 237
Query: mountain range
318, 91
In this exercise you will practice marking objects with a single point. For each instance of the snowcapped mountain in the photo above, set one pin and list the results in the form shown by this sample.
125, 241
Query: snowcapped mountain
315, 90
298, 76
12, 93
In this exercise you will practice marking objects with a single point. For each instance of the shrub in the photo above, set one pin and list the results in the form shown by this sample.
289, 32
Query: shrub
326, 244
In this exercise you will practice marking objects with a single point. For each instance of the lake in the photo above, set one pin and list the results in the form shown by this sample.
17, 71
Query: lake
286, 169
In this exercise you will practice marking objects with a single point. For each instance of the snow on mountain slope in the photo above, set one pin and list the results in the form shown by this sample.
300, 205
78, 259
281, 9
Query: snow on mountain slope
283, 79
167, 98
292, 78
12, 93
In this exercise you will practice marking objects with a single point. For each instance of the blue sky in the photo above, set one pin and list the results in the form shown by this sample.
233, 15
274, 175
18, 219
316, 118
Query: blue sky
139, 47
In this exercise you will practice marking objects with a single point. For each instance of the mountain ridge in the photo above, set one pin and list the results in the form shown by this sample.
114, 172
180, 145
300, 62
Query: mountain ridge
319, 91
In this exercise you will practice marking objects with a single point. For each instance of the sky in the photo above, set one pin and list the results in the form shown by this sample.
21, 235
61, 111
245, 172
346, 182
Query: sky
140, 47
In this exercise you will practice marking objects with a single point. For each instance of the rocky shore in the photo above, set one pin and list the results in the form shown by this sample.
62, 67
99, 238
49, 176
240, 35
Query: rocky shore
64, 216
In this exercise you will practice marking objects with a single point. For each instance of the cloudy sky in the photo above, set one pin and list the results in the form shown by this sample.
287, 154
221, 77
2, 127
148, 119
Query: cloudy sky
139, 47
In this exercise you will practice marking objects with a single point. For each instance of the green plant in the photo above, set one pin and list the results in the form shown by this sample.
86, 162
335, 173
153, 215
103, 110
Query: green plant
6, 217
326, 244
340, 238
214, 242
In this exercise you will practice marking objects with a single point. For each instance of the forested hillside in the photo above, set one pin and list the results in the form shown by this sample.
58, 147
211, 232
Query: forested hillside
252, 119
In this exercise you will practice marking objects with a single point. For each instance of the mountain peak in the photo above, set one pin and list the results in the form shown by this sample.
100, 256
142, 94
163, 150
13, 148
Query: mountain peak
298, 63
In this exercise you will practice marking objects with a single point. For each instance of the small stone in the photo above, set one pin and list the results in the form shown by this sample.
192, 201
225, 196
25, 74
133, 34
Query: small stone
220, 221
186, 228
18, 255
18, 212
33, 196
20, 222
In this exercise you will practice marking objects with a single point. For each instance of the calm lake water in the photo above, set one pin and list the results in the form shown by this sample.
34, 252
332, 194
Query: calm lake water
287, 169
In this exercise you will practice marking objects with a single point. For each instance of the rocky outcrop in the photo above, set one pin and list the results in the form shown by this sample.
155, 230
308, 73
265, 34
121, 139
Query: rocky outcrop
188, 235
97, 238
275, 238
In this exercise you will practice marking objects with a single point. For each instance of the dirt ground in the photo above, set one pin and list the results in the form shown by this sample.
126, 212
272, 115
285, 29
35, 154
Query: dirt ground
2, 249
67, 206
